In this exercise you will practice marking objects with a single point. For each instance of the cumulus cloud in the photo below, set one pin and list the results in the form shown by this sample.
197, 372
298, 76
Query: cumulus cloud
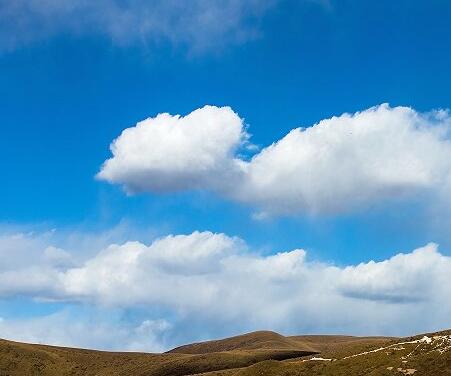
413, 277
342, 164
352, 161
170, 153
207, 285
197, 25
210, 275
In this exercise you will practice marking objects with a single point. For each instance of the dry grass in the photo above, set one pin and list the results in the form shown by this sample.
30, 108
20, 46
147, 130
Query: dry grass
259, 353
262, 340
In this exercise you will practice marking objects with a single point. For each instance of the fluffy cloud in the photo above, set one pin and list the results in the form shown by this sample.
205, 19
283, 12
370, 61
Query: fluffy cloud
214, 282
342, 164
197, 25
211, 275
171, 271
352, 161
418, 276
174, 152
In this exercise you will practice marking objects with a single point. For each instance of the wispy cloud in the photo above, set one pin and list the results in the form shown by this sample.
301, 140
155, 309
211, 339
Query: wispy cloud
88, 327
197, 25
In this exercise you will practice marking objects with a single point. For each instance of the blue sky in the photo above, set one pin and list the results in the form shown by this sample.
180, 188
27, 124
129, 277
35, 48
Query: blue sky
72, 79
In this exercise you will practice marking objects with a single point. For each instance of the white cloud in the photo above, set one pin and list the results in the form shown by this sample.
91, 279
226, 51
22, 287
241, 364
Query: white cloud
215, 282
417, 276
58, 257
169, 153
24, 268
280, 291
352, 161
197, 25
340, 165
171, 271
97, 329
32, 261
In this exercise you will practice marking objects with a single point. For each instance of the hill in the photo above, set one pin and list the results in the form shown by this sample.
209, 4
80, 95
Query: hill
258, 353
262, 340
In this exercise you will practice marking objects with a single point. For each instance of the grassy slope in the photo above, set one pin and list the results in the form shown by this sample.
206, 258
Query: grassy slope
26, 359
260, 353
262, 340
414, 359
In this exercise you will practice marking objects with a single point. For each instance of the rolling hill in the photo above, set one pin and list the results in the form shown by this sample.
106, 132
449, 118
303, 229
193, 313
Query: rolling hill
262, 340
258, 353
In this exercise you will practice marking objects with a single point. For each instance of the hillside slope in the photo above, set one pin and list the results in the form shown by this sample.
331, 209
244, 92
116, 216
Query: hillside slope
259, 353
28, 359
262, 340
428, 355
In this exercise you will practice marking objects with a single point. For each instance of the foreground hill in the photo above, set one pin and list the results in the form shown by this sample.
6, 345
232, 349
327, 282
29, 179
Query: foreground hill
236, 352
259, 353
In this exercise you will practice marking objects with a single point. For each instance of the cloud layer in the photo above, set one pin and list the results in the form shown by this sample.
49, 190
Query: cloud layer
202, 285
197, 25
339, 165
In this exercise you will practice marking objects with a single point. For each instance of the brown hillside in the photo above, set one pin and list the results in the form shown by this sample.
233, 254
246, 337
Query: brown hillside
252, 354
262, 340
329, 343
19, 359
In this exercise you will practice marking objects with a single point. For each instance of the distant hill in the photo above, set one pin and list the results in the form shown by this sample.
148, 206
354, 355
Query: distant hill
262, 340
259, 353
